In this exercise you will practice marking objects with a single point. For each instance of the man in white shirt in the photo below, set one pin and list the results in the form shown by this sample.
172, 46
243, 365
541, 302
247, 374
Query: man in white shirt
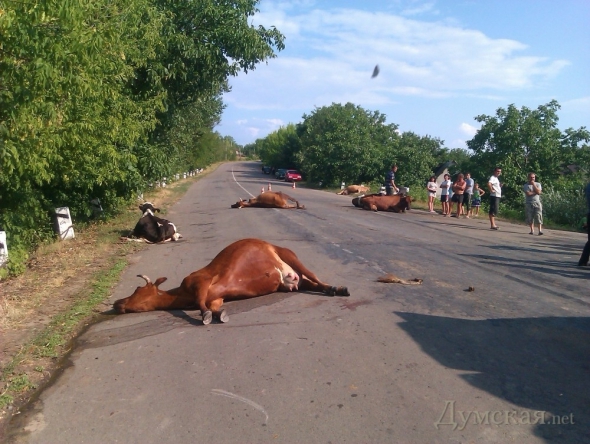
445, 187
468, 193
495, 188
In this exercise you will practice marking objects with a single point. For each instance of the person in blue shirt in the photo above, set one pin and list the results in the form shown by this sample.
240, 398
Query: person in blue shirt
586, 252
390, 186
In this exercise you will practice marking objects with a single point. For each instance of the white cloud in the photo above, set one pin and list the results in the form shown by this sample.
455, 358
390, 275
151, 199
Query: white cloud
467, 129
580, 104
252, 131
331, 53
420, 9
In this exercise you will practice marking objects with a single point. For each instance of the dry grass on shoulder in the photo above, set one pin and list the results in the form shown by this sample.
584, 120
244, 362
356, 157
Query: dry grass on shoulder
64, 285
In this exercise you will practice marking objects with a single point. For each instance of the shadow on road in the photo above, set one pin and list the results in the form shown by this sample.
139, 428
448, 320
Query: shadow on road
565, 269
539, 364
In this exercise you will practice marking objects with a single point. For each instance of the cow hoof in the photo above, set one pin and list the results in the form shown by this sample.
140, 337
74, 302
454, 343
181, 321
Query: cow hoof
223, 316
207, 317
342, 291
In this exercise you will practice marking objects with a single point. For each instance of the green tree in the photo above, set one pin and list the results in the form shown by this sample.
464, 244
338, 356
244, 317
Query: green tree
280, 147
344, 143
524, 140
416, 157
96, 98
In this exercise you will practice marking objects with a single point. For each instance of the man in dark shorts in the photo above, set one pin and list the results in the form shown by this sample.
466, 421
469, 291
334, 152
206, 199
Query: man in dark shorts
390, 186
495, 188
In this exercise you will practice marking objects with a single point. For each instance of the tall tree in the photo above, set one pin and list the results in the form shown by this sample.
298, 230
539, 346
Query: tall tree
524, 140
344, 143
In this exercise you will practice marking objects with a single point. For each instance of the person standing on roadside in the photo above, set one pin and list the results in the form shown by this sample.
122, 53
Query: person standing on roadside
468, 193
495, 188
431, 187
477, 193
390, 187
444, 195
533, 208
586, 252
459, 191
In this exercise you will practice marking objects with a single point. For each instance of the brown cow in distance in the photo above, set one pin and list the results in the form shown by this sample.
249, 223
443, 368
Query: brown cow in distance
270, 199
353, 189
245, 269
377, 202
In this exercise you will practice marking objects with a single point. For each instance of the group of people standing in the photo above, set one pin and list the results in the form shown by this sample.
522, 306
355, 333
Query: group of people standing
466, 194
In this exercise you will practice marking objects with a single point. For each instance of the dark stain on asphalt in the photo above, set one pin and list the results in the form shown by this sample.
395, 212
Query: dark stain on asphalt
353, 305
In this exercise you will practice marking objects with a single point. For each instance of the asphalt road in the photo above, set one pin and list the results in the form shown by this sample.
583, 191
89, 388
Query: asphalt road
390, 364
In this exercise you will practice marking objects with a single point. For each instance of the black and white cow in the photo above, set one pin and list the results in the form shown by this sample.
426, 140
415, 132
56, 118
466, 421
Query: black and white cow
154, 229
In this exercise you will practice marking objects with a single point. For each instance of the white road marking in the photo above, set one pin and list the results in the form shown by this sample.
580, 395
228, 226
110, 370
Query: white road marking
239, 398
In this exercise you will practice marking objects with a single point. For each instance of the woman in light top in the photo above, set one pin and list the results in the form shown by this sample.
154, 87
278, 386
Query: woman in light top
431, 187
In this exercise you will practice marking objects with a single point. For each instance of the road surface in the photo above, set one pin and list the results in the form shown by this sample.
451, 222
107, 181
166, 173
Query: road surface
507, 362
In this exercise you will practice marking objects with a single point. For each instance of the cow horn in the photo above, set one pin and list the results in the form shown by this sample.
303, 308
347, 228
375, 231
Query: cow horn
143, 276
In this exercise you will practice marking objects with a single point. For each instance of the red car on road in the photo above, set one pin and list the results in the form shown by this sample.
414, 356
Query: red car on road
292, 176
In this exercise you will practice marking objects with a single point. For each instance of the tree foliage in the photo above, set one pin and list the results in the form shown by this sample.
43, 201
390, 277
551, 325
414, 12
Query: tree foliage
344, 143
525, 140
99, 98
279, 148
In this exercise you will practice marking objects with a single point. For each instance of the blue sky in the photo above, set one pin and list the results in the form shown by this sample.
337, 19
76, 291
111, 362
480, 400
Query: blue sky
442, 63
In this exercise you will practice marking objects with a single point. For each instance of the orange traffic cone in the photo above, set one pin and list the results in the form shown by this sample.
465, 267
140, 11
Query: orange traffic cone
262, 190
293, 185
269, 188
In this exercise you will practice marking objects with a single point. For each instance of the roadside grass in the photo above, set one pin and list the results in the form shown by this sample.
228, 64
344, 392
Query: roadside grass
61, 292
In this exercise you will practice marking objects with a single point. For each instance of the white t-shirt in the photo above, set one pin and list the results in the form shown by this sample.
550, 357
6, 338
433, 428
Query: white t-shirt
432, 187
445, 191
495, 183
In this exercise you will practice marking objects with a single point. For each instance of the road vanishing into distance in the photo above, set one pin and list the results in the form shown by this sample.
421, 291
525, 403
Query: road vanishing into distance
430, 363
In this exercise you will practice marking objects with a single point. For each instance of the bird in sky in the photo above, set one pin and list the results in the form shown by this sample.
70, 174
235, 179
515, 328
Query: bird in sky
375, 72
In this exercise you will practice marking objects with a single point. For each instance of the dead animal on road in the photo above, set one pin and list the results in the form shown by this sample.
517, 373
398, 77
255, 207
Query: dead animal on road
377, 202
353, 189
270, 199
245, 269
393, 279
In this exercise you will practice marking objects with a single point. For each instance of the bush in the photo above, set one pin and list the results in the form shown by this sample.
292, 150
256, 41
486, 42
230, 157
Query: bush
16, 264
564, 207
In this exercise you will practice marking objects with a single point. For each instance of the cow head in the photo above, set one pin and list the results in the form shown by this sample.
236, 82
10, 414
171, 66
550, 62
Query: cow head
148, 206
143, 298
357, 200
239, 204
404, 203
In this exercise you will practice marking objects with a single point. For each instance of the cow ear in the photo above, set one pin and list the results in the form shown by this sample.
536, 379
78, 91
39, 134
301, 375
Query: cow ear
157, 210
160, 280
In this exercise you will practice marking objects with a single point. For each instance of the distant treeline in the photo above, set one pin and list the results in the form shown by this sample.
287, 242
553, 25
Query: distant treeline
346, 143
99, 98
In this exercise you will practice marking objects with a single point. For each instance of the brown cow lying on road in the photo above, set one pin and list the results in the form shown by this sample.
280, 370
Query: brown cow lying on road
378, 202
353, 189
245, 269
270, 199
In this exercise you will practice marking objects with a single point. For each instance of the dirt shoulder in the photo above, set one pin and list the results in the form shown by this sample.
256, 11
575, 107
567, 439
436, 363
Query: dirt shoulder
63, 289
